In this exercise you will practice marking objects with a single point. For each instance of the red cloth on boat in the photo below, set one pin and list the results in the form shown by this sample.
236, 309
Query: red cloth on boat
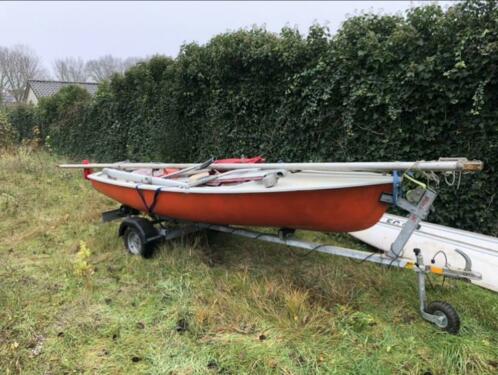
254, 160
167, 171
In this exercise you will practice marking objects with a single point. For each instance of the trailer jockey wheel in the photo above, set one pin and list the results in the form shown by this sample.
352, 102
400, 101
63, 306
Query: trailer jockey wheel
451, 321
139, 236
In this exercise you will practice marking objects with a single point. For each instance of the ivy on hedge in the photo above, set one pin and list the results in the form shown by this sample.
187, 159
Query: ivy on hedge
8, 134
411, 87
24, 121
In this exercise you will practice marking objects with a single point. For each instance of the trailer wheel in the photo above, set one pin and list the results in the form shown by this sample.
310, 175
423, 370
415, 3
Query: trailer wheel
451, 322
138, 236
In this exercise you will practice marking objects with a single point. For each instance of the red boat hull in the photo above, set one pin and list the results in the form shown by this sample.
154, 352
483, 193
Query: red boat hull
330, 210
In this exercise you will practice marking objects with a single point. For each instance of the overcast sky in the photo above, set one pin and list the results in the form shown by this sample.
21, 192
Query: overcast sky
124, 29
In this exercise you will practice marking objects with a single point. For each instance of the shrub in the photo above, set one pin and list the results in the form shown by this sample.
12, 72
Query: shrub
62, 118
23, 120
7, 132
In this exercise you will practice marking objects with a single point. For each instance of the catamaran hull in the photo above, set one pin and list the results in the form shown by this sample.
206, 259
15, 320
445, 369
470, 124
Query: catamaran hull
432, 239
330, 210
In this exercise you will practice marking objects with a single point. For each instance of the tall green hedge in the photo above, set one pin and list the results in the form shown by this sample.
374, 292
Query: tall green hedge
24, 121
63, 119
410, 87
8, 134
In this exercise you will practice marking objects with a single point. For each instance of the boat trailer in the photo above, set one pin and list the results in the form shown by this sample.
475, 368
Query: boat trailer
141, 234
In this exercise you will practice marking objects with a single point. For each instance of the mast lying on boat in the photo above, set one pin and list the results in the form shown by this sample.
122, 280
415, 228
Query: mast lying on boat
441, 165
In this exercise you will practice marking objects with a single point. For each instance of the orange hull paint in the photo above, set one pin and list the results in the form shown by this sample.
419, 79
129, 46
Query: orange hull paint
330, 210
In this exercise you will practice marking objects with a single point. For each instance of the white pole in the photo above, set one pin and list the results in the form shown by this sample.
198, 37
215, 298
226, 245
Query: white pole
457, 164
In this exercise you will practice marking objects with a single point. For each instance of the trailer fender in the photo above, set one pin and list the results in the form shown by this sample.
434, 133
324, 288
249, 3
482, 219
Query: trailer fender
144, 227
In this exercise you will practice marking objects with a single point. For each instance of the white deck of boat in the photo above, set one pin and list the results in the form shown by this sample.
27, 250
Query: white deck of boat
301, 181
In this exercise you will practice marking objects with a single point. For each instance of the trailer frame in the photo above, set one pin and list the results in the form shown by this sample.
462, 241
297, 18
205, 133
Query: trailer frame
141, 234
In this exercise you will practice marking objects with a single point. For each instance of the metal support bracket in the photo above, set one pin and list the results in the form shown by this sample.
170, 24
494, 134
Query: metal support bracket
170, 234
417, 213
118, 213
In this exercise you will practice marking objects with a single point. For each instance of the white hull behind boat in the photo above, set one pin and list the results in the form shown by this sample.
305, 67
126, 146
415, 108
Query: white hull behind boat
431, 238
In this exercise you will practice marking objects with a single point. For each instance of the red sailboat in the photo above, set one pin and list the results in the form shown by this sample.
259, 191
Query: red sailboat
335, 197
336, 202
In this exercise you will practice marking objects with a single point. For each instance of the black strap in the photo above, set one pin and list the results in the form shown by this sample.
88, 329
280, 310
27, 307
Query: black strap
154, 200
150, 209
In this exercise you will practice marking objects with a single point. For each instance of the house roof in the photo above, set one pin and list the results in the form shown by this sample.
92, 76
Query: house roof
42, 88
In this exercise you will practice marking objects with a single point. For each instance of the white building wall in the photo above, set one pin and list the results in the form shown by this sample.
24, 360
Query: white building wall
32, 99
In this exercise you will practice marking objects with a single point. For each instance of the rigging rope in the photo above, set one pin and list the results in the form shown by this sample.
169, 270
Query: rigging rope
150, 209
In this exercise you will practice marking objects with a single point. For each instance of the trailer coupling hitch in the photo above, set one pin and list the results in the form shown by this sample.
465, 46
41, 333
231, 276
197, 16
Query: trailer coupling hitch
465, 273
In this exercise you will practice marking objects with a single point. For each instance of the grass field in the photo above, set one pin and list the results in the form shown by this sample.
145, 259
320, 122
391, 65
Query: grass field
73, 301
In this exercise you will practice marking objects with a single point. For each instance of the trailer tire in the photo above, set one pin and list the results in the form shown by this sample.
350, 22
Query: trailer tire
139, 236
452, 320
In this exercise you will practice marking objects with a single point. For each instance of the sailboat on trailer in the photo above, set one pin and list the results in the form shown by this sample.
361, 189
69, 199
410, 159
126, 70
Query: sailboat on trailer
333, 197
